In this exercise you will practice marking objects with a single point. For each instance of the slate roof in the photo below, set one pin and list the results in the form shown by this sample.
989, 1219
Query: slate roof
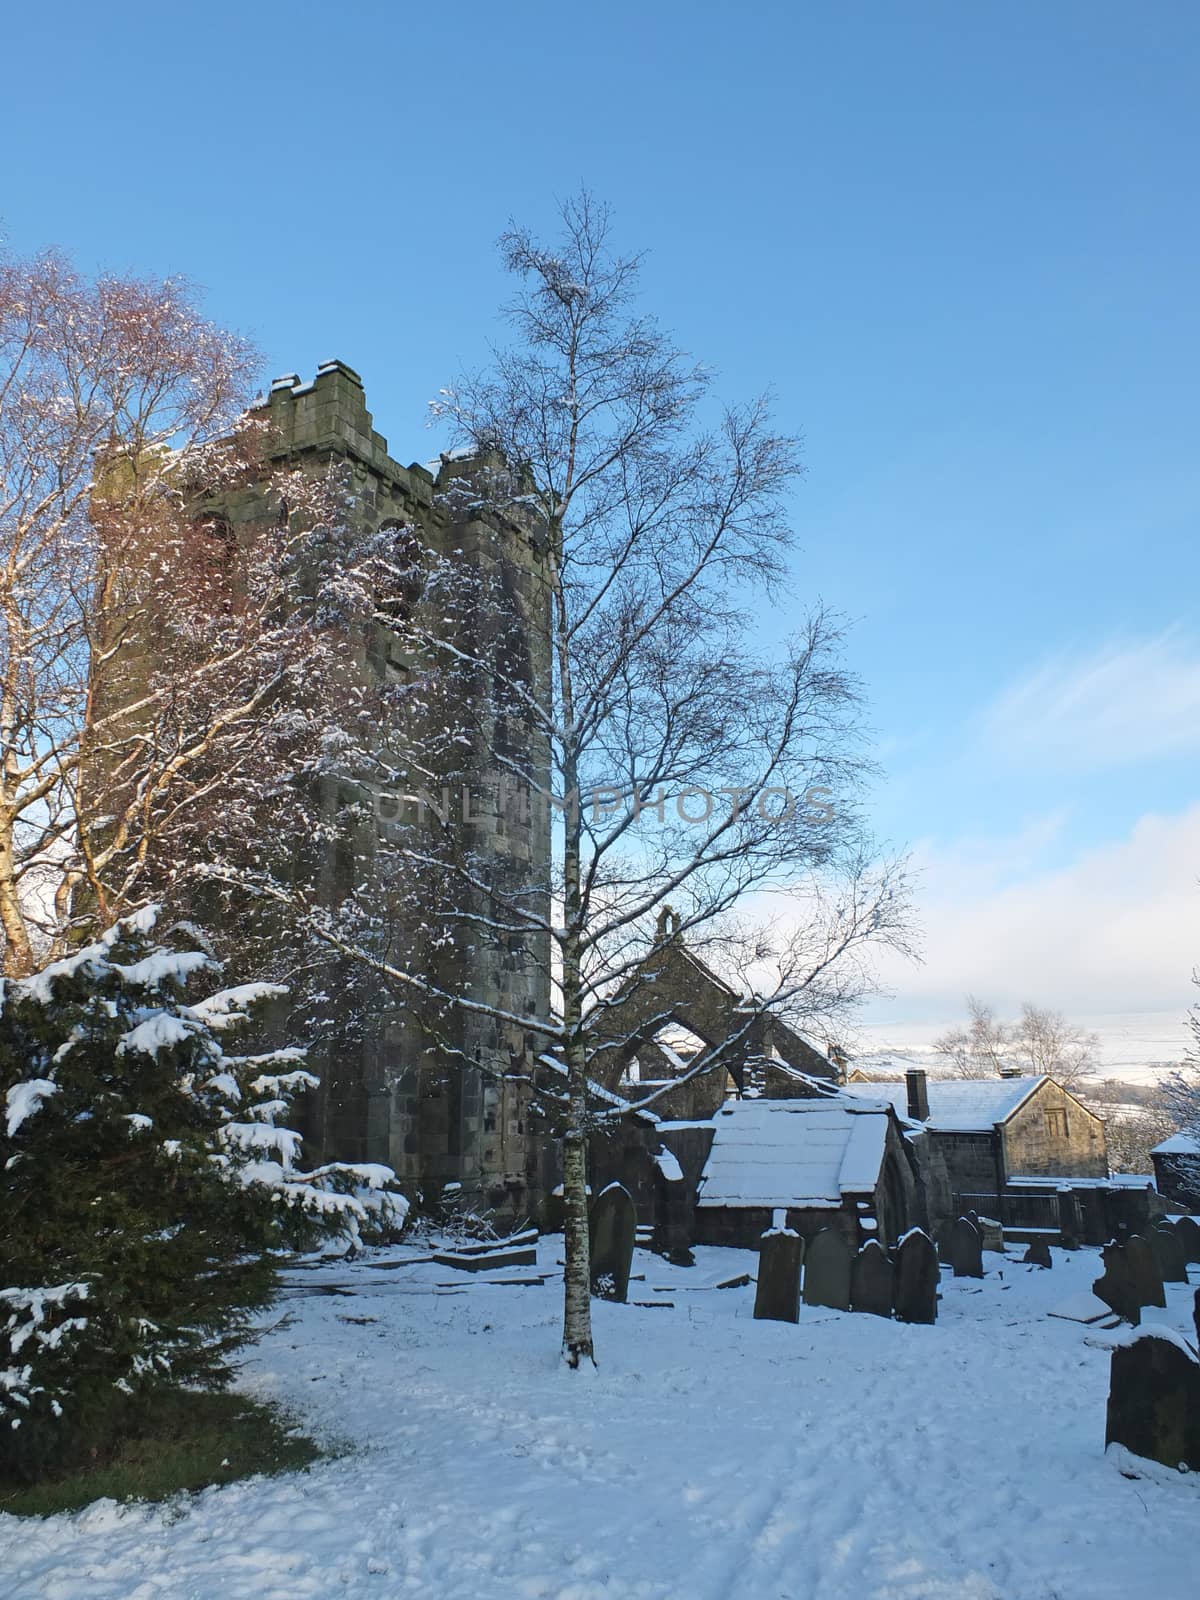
804, 1154
1179, 1144
957, 1105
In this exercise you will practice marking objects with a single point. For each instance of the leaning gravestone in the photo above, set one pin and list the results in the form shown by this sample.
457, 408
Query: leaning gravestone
613, 1228
966, 1249
1038, 1254
777, 1298
1168, 1252
1146, 1276
871, 1280
1154, 1401
917, 1278
1187, 1230
827, 1271
1119, 1286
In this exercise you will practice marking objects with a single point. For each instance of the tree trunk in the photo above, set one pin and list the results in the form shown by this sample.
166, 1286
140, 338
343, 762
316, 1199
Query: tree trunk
577, 1300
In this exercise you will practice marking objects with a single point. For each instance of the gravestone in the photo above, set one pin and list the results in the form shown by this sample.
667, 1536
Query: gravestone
1168, 1252
1146, 1276
1068, 1220
777, 1298
966, 1249
613, 1229
1196, 1316
1119, 1286
1188, 1231
1154, 1401
917, 1278
1128, 1208
991, 1233
871, 1278
1093, 1218
827, 1271
1038, 1254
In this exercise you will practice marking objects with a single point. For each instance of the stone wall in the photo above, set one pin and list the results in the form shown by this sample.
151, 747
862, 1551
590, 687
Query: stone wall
972, 1163
1053, 1135
743, 1226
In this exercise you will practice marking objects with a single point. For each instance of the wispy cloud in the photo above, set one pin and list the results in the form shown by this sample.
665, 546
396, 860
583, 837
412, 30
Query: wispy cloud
1126, 702
1117, 929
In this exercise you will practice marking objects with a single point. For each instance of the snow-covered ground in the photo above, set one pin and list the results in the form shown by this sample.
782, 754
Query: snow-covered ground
711, 1457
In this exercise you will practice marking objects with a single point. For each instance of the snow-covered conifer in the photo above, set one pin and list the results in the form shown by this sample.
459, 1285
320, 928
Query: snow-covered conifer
148, 1181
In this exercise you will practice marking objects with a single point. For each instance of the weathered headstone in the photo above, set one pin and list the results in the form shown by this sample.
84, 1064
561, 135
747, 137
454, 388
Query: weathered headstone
1068, 1220
613, 1229
966, 1249
1188, 1230
1128, 1208
1093, 1218
991, 1233
777, 1298
1196, 1316
871, 1280
1154, 1401
1168, 1252
1146, 1276
917, 1278
1119, 1287
827, 1271
1038, 1254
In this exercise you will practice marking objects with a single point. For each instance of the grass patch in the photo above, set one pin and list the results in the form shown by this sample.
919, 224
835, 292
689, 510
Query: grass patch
187, 1441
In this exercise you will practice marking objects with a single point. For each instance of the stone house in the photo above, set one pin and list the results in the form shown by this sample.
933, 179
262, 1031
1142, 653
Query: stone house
983, 1134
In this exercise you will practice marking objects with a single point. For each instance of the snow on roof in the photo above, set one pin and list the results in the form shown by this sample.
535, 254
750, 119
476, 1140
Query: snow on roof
957, 1105
792, 1153
1179, 1144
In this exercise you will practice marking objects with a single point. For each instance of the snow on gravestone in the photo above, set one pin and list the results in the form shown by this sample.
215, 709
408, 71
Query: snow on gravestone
917, 1278
613, 1229
1188, 1232
827, 1271
1168, 1253
1119, 1287
777, 1297
871, 1280
1146, 1276
1154, 1399
966, 1249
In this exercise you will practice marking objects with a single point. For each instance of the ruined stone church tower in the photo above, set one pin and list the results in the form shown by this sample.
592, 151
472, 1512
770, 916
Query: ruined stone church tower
438, 1117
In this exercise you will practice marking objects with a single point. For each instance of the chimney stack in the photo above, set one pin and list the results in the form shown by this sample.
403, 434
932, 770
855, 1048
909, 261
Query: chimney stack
918, 1095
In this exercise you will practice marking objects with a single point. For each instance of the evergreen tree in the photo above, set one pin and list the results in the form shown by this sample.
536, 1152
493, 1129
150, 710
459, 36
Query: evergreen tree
147, 1185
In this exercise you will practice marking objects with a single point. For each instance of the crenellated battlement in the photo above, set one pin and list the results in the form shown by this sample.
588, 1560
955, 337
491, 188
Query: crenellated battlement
328, 415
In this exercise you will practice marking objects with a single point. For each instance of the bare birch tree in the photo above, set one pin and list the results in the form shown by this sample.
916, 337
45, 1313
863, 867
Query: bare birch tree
678, 760
1041, 1042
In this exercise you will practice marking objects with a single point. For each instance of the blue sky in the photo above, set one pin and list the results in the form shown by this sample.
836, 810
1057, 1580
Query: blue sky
961, 243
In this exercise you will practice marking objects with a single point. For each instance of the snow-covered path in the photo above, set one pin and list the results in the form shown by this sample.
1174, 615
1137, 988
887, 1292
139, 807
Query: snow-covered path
710, 1458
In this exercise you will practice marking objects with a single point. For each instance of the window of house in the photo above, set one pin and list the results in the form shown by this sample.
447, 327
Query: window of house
1056, 1123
